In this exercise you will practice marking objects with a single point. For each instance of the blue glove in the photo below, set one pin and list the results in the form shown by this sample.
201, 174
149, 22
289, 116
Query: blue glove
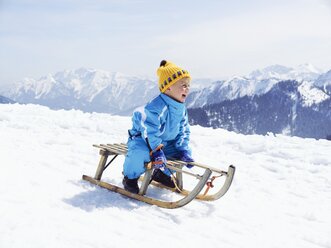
159, 160
186, 157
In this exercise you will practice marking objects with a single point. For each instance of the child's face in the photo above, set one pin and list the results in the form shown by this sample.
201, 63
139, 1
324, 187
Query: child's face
180, 90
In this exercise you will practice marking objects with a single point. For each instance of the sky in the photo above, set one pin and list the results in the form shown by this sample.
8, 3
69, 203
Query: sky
212, 39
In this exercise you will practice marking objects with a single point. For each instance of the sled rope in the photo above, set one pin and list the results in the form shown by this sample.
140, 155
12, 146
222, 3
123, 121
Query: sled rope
110, 162
210, 184
175, 182
173, 178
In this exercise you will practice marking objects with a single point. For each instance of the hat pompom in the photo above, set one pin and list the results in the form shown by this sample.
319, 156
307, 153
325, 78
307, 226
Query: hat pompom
163, 63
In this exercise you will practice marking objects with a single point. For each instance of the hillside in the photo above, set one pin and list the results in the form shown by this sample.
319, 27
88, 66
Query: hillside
289, 107
280, 197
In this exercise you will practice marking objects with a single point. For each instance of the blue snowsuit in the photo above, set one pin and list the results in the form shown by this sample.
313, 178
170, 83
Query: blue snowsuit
162, 121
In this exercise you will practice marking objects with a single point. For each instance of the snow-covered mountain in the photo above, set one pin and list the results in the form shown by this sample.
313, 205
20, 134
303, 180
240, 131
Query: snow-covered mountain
280, 196
324, 82
276, 99
102, 91
256, 83
86, 89
90, 90
279, 72
229, 89
5, 100
289, 107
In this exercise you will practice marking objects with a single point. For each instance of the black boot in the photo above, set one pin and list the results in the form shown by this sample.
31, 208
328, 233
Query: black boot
131, 185
162, 178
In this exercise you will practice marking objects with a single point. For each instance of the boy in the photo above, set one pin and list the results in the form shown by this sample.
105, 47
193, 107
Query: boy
160, 129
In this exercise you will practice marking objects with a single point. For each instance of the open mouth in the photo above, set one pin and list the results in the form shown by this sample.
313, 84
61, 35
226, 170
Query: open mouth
183, 98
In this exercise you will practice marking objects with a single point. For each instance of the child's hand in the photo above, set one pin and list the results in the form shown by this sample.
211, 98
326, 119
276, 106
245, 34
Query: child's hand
186, 157
159, 160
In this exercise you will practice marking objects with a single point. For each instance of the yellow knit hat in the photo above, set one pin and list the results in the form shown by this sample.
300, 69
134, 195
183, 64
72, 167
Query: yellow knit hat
169, 73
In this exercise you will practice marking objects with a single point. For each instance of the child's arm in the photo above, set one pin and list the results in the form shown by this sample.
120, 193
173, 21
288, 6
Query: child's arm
183, 137
149, 123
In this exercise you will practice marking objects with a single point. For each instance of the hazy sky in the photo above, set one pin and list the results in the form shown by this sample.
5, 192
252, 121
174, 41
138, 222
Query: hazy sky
211, 38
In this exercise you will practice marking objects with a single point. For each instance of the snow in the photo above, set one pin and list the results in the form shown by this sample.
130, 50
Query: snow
280, 197
324, 79
44, 85
273, 71
311, 95
84, 82
260, 81
301, 72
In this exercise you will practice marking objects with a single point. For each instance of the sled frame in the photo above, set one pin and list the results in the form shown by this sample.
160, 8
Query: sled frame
114, 150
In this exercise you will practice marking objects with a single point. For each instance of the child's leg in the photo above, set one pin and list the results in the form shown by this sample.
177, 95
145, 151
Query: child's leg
138, 154
170, 151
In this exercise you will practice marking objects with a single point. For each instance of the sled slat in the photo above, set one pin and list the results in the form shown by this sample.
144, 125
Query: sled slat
178, 162
120, 147
197, 176
113, 149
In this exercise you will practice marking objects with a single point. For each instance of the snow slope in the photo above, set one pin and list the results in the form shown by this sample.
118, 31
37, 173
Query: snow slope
280, 197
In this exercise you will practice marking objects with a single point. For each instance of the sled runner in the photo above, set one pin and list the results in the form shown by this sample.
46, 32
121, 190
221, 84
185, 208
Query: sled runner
200, 191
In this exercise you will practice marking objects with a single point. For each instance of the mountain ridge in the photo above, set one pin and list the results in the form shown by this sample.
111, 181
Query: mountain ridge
86, 89
258, 82
92, 90
5, 100
283, 109
112, 92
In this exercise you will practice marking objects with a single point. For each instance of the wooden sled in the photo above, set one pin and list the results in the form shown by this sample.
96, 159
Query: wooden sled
205, 180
